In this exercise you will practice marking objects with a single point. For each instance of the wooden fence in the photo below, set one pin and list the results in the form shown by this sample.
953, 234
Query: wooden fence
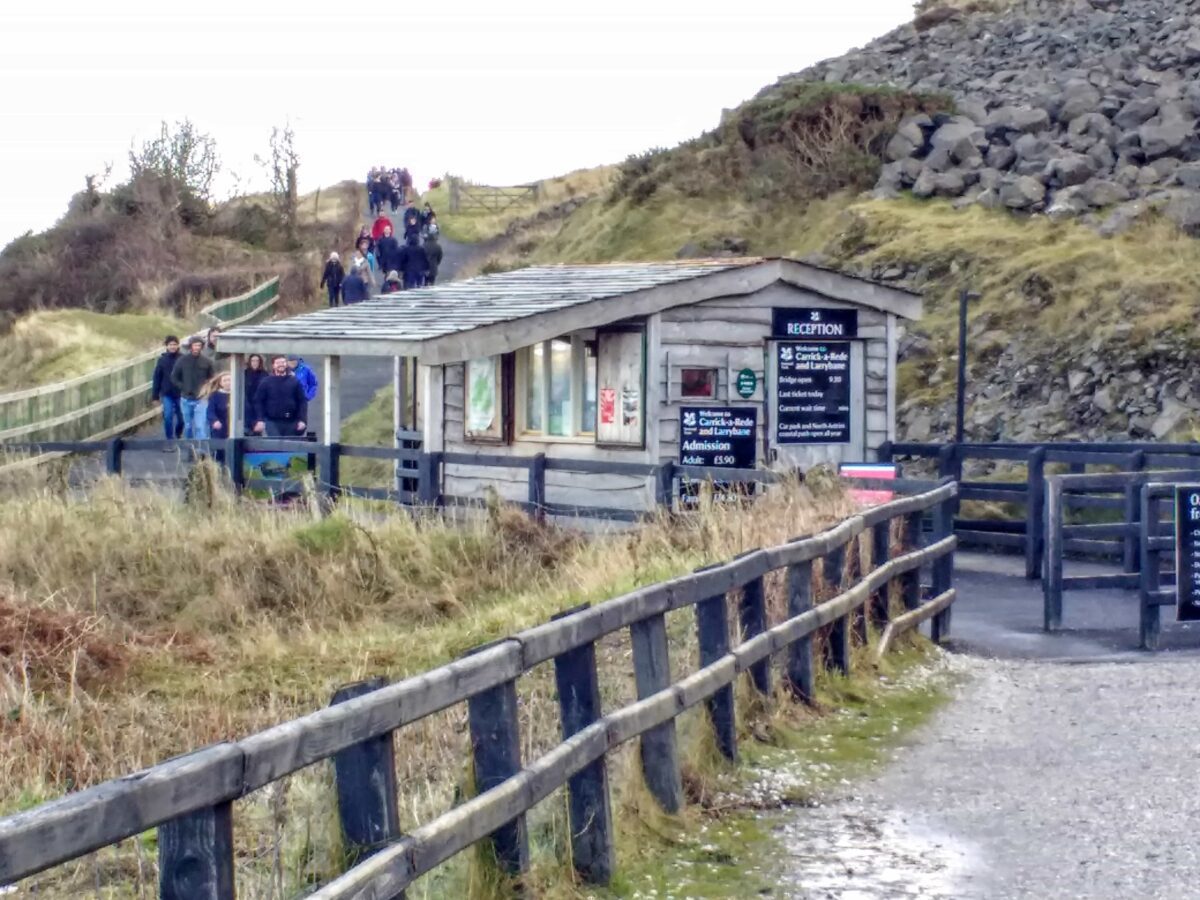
189, 799
480, 198
116, 398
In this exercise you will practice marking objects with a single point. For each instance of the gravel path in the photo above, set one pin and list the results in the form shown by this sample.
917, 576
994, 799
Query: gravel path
1039, 780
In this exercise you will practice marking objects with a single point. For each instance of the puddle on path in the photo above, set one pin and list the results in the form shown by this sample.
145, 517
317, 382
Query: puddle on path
848, 851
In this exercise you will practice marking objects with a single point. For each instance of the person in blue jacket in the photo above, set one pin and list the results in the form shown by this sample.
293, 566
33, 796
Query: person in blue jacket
305, 375
217, 392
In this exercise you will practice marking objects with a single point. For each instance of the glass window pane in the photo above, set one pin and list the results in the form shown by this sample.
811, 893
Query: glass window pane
535, 371
560, 387
698, 382
587, 410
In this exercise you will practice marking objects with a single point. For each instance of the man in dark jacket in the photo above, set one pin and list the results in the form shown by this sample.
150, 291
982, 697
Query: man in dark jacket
414, 263
433, 254
161, 389
387, 251
332, 277
354, 288
188, 376
412, 225
279, 404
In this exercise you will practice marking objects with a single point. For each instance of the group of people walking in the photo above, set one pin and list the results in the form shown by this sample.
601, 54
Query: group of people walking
387, 186
195, 396
384, 263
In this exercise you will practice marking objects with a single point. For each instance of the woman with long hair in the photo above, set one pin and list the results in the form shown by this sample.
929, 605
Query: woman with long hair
253, 375
216, 391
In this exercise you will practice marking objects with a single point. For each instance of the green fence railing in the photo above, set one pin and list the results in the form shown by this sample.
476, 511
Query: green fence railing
115, 398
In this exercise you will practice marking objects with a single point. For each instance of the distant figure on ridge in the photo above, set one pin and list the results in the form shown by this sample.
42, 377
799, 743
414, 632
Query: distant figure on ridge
331, 278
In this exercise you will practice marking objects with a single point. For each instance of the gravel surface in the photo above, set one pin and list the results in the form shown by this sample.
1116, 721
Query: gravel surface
1039, 780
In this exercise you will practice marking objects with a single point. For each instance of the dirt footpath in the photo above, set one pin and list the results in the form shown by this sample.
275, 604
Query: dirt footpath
1039, 780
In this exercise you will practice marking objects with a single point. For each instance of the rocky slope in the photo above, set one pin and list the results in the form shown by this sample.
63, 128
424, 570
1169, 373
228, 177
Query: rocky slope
1072, 108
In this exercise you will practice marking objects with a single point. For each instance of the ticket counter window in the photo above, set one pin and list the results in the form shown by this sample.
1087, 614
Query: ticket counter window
698, 383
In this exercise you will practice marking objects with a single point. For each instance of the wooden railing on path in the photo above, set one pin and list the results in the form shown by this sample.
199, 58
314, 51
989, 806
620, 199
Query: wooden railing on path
116, 398
189, 798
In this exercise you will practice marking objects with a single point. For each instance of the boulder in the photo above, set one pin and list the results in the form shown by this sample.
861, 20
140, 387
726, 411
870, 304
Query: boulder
1184, 210
1135, 112
1188, 175
1103, 400
1023, 192
1173, 413
1070, 169
1078, 98
1001, 156
1017, 118
1100, 193
909, 140
1167, 137
960, 138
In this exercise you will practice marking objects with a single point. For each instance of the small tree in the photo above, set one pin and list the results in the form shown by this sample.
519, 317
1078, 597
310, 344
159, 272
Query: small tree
183, 155
282, 167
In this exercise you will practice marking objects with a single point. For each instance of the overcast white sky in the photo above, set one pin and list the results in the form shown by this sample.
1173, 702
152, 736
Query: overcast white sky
497, 92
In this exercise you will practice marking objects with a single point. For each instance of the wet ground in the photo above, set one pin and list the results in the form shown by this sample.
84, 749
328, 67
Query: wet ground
1061, 768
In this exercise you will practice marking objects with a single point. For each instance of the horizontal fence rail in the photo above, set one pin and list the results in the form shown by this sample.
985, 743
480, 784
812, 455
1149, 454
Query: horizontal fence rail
188, 799
115, 398
480, 198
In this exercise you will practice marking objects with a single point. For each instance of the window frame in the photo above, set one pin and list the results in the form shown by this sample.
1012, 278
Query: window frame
713, 381
578, 375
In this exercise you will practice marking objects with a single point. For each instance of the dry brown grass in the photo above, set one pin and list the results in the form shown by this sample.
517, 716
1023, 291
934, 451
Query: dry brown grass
232, 618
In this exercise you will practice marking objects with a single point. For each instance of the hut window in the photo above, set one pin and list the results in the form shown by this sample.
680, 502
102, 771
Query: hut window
557, 384
698, 382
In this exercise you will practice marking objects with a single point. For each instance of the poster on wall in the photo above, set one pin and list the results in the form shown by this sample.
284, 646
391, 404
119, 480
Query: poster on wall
620, 368
481, 396
813, 403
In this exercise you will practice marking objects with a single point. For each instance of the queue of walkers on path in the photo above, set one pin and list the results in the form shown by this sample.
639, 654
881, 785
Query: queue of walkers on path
195, 395
386, 260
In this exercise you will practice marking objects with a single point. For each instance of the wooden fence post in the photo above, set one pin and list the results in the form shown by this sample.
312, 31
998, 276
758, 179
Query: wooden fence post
799, 658
195, 855
1052, 600
496, 750
365, 775
329, 467
1151, 564
752, 609
537, 486
112, 456
1035, 512
861, 617
664, 486
881, 536
837, 641
943, 568
1133, 506
428, 488
910, 581
587, 790
235, 459
659, 750
712, 628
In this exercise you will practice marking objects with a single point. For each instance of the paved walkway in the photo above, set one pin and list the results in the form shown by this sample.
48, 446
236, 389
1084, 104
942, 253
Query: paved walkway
1062, 768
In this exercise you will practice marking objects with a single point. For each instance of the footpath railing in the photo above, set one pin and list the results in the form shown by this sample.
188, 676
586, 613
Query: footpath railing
116, 398
1024, 530
189, 799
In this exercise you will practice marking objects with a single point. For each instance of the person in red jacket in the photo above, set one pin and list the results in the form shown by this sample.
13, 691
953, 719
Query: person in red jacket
381, 223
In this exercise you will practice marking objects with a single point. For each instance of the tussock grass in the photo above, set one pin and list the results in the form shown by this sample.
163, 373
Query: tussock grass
224, 619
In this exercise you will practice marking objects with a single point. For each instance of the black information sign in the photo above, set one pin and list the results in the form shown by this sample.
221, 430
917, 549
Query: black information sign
720, 436
1187, 552
814, 324
813, 393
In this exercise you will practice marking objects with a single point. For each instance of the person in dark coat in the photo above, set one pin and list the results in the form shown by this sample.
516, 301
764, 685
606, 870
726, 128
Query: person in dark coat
412, 225
414, 263
253, 374
354, 288
426, 214
392, 283
217, 392
433, 255
332, 277
163, 390
188, 376
388, 251
279, 404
